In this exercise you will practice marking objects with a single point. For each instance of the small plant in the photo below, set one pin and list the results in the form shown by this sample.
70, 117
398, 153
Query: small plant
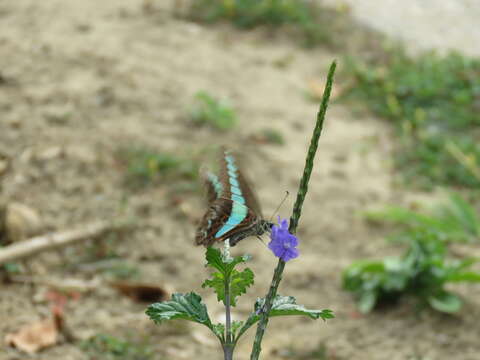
111, 348
452, 221
425, 268
144, 166
300, 14
215, 113
121, 270
434, 102
273, 136
229, 283
268, 136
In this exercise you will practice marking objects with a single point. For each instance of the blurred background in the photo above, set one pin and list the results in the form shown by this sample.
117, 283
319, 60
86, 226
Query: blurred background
109, 108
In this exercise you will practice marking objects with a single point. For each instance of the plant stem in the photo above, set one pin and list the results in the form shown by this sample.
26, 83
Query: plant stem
312, 150
297, 210
228, 346
228, 320
262, 325
227, 352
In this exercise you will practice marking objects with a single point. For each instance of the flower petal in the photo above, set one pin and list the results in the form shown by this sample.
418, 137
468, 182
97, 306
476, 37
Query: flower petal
283, 243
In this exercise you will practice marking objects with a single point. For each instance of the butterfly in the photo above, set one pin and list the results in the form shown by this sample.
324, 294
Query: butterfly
234, 212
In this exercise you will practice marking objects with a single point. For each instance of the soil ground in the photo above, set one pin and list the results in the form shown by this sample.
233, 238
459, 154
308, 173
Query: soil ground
85, 79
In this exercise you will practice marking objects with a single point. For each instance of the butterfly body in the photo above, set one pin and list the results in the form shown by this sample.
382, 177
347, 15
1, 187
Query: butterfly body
233, 211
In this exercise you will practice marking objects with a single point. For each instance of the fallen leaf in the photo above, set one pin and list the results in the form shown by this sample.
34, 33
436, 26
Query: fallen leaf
33, 337
139, 292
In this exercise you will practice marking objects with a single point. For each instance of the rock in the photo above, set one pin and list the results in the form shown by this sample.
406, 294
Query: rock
20, 222
4, 163
3, 166
50, 153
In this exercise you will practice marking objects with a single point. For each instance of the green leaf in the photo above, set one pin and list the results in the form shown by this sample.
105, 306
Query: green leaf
468, 276
219, 330
445, 302
215, 260
217, 283
403, 216
465, 214
283, 306
367, 301
286, 305
239, 282
466, 263
188, 307
236, 325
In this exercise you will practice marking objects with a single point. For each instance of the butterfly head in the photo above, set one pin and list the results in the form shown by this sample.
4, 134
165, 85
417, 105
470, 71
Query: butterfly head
265, 226
256, 229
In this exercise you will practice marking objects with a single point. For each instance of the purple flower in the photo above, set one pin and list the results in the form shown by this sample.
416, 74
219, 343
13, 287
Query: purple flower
283, 244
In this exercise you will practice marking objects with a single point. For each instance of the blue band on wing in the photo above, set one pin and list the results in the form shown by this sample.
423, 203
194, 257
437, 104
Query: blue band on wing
217, 185
234, 182
239, 210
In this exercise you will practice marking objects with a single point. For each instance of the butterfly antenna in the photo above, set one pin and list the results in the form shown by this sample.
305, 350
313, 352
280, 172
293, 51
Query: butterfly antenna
280, 205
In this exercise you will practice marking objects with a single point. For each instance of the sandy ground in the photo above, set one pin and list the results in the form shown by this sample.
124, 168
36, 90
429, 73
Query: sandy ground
85, 79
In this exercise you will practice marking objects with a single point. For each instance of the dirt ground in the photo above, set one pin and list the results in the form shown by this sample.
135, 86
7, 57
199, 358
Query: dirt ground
83, 79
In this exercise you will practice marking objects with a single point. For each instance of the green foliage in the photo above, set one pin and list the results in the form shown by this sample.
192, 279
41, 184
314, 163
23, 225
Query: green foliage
12, 268
144, 166
287, 306
207, 110
109, 348
225, 266
434, 101
187, 307
283, 306
239, 282
272, 136
425, 267
303, 15
121, 270
452, 221
190, 306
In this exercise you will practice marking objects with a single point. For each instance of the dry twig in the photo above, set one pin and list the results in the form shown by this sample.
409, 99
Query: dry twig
55, 240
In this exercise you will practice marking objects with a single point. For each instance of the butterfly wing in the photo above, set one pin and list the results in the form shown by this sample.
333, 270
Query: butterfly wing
236, 185
234, 210
225, 219
214, 187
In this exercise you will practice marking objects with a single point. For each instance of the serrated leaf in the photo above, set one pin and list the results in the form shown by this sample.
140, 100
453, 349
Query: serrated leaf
215, 260
445, 302
284, 306
181, 306
219, 330
236, 325
217, 283
239, 282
